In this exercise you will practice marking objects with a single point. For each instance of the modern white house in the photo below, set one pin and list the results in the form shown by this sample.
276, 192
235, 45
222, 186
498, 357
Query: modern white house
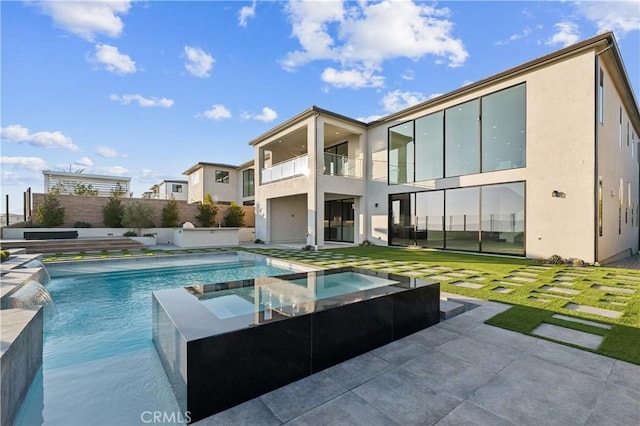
73, 183
167, 189
224, 182
537, 160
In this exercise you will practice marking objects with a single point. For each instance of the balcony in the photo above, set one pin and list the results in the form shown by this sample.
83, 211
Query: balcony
288, 169
340, 165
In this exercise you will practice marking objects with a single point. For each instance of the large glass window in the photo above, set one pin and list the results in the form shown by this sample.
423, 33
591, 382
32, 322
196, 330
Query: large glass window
462, 142
430, 147
503, 218
401, 153
429, 231
248, 183
339, 220
401, 220
504, 129
462, 218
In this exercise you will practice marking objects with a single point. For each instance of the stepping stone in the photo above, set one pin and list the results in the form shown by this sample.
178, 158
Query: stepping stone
468, 271
478, 278
617, 289
541, 268
593, 310
442, 268
502, 290
428, 271
611, 302
455, 274
413, 273
537, 299
388, 270
565, 283
526, 274
564, 278
555, 296
627, 277
508, 283
440, 277
582, 321
450, 309
524, 279
576, 274
567, 335
559, 290
465, 284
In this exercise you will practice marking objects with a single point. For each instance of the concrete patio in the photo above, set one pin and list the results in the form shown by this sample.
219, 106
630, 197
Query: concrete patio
460, 371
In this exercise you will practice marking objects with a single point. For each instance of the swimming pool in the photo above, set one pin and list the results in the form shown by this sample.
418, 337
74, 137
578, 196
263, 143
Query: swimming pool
99, 363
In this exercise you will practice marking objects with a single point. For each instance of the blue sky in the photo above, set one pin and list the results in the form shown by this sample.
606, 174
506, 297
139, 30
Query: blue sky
146, 89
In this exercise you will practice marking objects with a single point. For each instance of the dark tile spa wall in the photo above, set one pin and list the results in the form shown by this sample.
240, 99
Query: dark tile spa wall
216, 372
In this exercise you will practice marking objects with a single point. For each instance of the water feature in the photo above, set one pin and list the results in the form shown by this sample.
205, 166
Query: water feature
30, 294
35, 263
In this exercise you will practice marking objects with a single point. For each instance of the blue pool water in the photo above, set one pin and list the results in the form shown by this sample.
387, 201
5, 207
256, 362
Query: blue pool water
100, 366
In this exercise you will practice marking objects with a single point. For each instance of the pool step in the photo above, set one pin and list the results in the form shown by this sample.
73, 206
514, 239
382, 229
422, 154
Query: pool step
449, 309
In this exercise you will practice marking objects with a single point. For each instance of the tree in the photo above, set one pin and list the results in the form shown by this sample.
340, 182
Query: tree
235, 216
170, 218
138, 215
50, 213
208, 211
112, 211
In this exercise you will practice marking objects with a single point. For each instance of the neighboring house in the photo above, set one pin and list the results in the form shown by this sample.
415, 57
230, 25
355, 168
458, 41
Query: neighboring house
74, 183
223, 182
176, 189
538, 160
247, 189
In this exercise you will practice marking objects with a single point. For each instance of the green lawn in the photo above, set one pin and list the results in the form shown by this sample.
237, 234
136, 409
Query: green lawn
537, 291
607, 295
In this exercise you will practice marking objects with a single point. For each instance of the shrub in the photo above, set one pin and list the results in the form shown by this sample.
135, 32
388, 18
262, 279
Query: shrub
366, 243
4, 255
307, 248
149, 235
84, 189
258, 241
138, 215
50, 213
130, 234
170, 217
578, 263
235, 216
82, 225
208, 211
112, 211
555, 260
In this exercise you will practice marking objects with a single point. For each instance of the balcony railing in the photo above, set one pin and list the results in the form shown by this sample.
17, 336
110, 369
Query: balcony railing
340, 165
285, 170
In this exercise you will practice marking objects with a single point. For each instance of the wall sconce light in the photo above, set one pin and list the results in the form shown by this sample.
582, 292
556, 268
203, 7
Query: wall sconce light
558, 194
375, 205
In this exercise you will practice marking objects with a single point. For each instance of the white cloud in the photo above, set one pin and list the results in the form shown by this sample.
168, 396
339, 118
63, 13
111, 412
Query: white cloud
567, 34
113, 60
17, 133
105, 151
245, 13
354, 79
525, 32
618, 16
30, 163
370, 118
142, 101
199, 62
399, 100
217, 112
87, 19
10, 178
267, 115
363, 35
84, 161
408, 75
110, 170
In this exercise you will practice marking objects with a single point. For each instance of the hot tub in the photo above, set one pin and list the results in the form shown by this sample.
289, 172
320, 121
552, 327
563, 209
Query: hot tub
223, 344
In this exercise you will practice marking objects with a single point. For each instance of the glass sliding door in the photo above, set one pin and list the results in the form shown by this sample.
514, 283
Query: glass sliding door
339, 220
462, 219
430, 219
401, 227
503, 218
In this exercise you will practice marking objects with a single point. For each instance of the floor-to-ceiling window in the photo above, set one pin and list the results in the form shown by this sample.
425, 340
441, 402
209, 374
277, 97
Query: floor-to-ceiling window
339, 220
462, 147
489, 218
503, 218
430, 219
462, 219
401, 152
429, 147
